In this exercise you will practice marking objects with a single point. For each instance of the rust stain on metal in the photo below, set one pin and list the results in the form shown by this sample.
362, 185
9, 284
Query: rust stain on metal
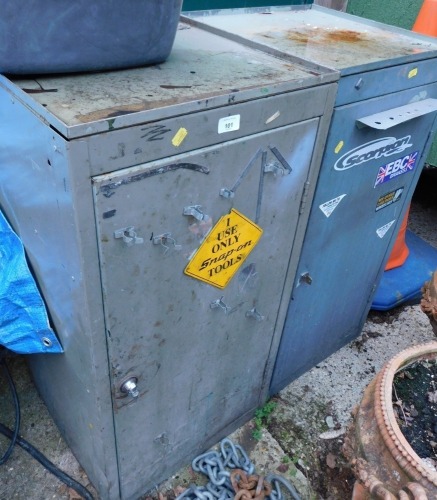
185, 94
299, 37
113, 112
316, 36
345, 36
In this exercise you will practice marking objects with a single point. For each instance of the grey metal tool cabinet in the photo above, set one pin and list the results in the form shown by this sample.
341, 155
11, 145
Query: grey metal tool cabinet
383, 121
117, 182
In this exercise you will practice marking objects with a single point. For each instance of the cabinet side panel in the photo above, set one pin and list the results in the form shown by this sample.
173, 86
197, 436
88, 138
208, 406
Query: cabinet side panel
45, 193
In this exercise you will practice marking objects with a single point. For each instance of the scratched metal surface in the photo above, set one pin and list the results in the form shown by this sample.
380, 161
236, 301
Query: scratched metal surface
201, 67
326, 37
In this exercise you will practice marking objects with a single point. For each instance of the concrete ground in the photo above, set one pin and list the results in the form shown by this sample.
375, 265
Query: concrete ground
291, 441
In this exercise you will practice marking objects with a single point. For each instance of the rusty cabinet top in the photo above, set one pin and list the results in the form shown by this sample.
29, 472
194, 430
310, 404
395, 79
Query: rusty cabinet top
203, 71
334, 39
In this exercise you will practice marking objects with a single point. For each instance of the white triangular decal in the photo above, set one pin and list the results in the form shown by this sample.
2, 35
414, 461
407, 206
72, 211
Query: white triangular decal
381, 232
329, 206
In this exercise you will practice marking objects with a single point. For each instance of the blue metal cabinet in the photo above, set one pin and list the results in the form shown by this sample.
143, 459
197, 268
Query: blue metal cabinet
353, 223
380, 132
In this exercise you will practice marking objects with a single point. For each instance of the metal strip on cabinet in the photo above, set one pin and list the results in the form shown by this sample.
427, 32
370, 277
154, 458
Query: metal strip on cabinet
392, 117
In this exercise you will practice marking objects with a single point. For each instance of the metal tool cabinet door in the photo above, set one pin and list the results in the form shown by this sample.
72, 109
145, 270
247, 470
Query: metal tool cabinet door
187, 358
366, 181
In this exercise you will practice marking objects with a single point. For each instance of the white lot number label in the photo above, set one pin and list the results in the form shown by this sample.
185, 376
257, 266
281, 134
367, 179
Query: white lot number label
229, 124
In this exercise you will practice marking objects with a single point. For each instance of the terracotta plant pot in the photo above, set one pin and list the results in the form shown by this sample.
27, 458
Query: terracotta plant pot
383, 461
428, 303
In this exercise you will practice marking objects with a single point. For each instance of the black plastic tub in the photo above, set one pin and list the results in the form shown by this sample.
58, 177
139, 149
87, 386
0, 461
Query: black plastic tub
64, 36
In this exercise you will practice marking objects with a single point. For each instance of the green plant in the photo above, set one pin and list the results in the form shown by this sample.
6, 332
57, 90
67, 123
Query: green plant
262, 416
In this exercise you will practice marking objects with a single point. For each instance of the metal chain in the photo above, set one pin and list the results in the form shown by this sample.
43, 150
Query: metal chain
249, 487
276, 482
240, 484
235, 457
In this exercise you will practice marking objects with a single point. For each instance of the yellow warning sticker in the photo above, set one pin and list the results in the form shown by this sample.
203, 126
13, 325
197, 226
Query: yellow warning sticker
225, 248
179, 137
339, 147
413, 73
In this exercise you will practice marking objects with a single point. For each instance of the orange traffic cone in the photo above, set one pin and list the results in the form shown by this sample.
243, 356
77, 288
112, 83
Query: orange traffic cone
400, 250
426, 22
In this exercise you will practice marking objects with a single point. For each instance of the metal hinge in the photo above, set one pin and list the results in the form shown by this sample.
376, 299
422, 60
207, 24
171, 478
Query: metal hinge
303, 201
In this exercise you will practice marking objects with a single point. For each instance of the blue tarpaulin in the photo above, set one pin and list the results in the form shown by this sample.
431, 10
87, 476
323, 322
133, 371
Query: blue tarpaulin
24, 324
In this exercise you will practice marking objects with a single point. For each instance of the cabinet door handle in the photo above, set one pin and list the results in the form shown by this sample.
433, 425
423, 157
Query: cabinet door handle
396, 116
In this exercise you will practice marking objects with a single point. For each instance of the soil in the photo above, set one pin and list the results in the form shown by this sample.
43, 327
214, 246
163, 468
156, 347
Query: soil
320, 460
415, 406
300, 418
